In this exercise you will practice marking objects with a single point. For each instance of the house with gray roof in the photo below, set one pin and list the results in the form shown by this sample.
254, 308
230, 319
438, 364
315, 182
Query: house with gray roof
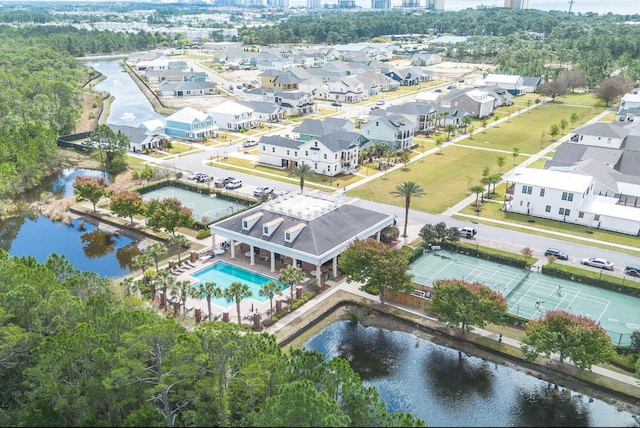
427, 116
424, 59
186, 89
141, 140
629, 110
410, 76
328, 148
530, 83
391, 130
347, 90
264, 111
307, 231
476, 102
601, 134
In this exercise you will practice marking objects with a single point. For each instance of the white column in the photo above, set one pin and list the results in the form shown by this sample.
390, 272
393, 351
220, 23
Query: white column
233, 249
378, 235
213, 241
318, 275
335, 267
252, 256
272, 256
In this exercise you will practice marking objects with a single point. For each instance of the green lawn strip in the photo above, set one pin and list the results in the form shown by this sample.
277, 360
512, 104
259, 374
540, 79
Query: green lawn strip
318, 181
492, 211
598, 274
442, 176
496, 251
587, 100
508, 135
538, 164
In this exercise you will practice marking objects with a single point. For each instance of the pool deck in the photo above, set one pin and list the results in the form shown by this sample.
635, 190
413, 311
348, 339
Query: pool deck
260, 266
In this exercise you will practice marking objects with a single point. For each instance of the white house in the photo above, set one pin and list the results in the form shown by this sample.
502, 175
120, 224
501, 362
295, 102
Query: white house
232, 116
394, 131
568, 197
512, 83
599, 134
346, 90
629, 110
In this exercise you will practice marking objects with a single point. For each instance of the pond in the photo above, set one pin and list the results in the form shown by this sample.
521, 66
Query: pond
445, 387
85, 246
130, 107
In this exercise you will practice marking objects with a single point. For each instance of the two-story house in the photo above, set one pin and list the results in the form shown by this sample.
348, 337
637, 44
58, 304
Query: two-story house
512, 83
346, 90
599, 134
232, 116
191, 125
391, 130
329, 150
568, 197
629, 110
475, 102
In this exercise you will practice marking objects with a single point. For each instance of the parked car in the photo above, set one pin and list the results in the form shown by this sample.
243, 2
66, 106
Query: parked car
194, 175
262, 190
380, 102
560, 255
374, 108
202, 178
234, 184
438, 90
633, 270
468, 232
250, 143
222, 181
598, 262
336, 104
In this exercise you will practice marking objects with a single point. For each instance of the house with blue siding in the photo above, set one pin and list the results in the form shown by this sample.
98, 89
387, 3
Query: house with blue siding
191, 125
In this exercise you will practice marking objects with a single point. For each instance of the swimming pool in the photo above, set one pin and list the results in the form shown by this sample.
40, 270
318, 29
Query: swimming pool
224, 274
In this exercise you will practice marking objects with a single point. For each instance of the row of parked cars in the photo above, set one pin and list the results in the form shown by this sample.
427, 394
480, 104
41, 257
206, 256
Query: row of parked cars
597, 262
226, 182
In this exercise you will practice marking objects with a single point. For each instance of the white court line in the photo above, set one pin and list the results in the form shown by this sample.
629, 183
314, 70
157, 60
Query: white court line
603, 311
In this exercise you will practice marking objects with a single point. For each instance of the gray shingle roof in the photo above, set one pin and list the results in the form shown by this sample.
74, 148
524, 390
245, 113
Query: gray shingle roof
602, 129
276, 140
333, 229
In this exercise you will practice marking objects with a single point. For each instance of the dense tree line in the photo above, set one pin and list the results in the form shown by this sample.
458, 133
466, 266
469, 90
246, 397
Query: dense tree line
71, 354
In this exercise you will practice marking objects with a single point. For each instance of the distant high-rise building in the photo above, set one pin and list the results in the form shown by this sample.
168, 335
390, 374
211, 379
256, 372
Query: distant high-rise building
380, 4
347, 4
280, 4
410, 3
516, 4
435, 5
313, 4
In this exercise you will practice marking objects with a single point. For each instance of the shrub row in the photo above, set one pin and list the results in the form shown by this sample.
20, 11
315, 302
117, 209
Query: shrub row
516, 260
556, 270
306, 296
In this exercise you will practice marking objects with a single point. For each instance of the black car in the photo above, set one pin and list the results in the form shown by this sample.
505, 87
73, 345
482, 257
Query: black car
336, 104
560, 255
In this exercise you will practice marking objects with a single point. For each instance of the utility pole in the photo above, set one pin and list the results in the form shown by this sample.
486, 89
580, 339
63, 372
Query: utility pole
570, 5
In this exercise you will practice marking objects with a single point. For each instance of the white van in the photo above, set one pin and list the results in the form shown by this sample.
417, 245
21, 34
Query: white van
468, 232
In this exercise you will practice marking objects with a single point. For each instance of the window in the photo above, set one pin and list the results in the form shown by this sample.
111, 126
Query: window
542, 192
287, 152
580, 214
566, 196
547, 209
527, 189
306, 153
567, 211
325, 156
596, 217
273, 149
561, 211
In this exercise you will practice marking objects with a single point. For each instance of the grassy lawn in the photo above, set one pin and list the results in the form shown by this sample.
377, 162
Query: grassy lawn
442, 176
538, 164
587, 100
492, 211
318, 181
508, 135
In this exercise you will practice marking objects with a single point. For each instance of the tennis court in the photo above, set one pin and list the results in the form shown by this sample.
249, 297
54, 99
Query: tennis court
205, 208
530, 294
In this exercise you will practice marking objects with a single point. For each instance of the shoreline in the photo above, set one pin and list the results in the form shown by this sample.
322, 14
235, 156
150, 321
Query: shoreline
342, 307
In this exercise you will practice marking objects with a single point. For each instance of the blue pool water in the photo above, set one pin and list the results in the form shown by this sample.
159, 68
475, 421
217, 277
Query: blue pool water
224, 274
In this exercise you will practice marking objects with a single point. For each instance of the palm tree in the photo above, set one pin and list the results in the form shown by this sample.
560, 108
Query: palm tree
165, 281
178, 241
302, 171
156, 251
208, 290
466, 121
237, 291
406, 190
501, 161
181, 290
292, 276
477, 189
270, 289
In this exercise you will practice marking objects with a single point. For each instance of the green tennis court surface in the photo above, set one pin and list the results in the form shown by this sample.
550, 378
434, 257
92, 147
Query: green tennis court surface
203, 206
530, 294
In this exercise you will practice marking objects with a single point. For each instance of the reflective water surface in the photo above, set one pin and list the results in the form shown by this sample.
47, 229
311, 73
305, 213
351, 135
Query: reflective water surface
446, 387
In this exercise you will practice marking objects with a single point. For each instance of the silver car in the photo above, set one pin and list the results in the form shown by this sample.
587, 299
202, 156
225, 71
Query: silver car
598, 262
